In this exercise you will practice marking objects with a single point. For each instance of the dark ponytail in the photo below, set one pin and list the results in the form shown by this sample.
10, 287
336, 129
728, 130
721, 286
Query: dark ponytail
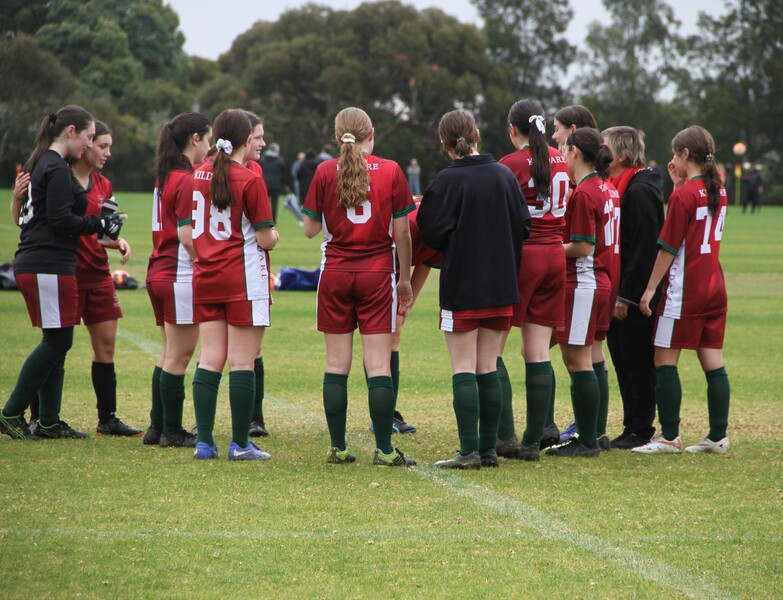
53, 125
173, 142
701, 151
231, 130
594, 151
101, 128
524, 115
458, 132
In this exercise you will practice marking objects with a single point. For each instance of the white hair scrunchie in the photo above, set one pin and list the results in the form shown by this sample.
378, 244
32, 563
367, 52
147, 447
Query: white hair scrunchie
225, 145
348, 138
539, 119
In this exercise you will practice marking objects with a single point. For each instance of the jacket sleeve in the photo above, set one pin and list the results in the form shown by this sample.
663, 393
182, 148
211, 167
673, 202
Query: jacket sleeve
436, 215
641, 226
60, 198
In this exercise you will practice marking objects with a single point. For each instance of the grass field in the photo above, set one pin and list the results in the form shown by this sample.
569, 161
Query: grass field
113, 518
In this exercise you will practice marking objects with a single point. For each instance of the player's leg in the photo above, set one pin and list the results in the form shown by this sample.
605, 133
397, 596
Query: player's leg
489, 390
339, 353
377, 354
257, 424
206, 381
585, 394
181, 342
244, 344
462, 348
538, 384
507, 435
602, 376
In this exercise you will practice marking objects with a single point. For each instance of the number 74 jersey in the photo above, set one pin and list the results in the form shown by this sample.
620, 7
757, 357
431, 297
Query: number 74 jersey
694, 286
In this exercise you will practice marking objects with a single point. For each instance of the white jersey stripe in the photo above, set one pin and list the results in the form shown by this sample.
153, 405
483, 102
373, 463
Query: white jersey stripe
394, 302
255, 264
676, 289
580, 316
260, 310
446, 320
49, 301
183, 302
664, 331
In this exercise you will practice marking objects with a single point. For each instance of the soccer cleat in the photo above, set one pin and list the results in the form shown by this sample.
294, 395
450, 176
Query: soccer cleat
16, 427
508, 448
398, 425
59, 430
116, 427
339, 457
257, 429
394, 459
573, 447
530, 452
178, 439
249, 452
629, 441
660, 445
204, 451
603, 442
551, 437
461, 461
489, 458
152, 436
707, 445
568, 433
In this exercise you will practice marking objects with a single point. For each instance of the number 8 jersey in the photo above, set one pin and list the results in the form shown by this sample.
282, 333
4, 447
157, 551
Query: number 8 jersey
695, 286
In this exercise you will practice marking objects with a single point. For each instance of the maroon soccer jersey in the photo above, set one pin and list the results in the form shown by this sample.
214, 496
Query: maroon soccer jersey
546, 224
169, 260
589, 218
694, 286
255, 168
360, 238
92, 266
230, 265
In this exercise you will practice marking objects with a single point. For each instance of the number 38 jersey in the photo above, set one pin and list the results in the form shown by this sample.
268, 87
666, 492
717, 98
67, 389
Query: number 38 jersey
694, 286
359, 239
230, 265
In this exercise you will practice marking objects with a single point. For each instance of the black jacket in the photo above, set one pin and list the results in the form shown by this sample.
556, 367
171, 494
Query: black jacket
275, 171
474, 212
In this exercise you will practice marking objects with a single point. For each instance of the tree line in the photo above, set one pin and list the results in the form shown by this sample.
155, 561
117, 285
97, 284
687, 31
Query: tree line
124, 61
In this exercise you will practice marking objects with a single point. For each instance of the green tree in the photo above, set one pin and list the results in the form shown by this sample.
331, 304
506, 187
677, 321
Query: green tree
22, 16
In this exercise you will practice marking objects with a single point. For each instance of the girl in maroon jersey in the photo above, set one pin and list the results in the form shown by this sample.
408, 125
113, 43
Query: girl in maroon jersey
359, 201
568, 119
183, 142
693, 305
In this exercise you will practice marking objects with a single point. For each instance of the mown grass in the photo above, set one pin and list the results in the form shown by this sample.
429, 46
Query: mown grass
112, 518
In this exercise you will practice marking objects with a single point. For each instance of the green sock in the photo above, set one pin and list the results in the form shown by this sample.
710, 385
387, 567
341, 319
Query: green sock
585, 401
506, 428
550, 413
603, 396
172, 400
490, 405
336, 407
156, 412
50, 395
668, 397
395, 373
466, 409
538, 379
241, 395
258, 408
381, 399
205, 395
718, 395
34, 372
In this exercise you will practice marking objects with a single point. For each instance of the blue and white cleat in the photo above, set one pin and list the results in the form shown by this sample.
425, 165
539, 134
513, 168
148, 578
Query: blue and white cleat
249, 452
204, 451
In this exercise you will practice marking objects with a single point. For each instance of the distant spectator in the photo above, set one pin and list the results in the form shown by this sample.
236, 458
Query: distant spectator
275, 174
414, 177
327, 153
294, 172
668, 187
306, 172
752, 188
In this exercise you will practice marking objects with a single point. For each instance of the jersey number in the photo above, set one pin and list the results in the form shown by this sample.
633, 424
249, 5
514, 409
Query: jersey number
360, 214
27, 210
556, 203
156, 223
703, 214
219, 220
612, 227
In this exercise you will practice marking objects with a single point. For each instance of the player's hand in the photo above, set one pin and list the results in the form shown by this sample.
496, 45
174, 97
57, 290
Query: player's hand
404, 297
644, 303
676, 179
20, 185
125, 251
620, 310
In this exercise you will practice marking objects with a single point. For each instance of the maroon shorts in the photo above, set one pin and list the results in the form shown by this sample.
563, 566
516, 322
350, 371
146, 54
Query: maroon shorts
689, 334
605, 319
100, 303
367, 299
493, 317
172, 302
52, 300
541, 286
583, 308
242, 313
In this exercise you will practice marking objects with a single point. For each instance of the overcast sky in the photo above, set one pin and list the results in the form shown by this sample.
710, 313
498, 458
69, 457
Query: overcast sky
210, 26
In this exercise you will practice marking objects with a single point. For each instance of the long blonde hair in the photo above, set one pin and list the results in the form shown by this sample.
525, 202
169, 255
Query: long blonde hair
352, 126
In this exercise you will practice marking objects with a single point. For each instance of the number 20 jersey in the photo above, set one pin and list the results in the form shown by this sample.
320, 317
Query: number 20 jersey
359, 239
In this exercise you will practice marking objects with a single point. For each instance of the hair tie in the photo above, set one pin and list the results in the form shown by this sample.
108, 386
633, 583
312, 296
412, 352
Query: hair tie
461, 139
52, 118
348, 138
710, 158
539, 121
225, 145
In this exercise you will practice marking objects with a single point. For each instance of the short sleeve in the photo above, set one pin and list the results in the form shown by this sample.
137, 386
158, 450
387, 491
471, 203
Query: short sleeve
183, 200
582, 224
675, 227
257, 205
314, 203
402, 200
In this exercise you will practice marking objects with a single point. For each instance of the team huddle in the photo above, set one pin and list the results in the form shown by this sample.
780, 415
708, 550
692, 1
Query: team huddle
569, 244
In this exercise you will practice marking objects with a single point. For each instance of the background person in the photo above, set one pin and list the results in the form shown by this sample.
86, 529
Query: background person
414, 177
275, 174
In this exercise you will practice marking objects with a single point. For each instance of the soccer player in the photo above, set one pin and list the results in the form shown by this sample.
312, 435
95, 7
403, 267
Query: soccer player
184, 141
361, 203
568, 119
588, 240
693, 305
543, 175
52, 220
630, 336
474, 212
232, 229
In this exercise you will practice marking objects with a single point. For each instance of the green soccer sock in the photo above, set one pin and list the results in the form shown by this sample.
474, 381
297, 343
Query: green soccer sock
258, 408
50, 395
156, 412
585, 401
506, 428
241, 395
172, 400
490, 404
104, 382
668, 397
718, 395
538, 379
336, 407
34, 372
550, 413
603, 396
395, 373
380, 394
205, 395
466, 409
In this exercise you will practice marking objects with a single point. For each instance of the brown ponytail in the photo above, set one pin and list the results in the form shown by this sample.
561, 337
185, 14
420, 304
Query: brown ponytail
594, 151
352, 126
523, 115
233, 127
701, 151
53, 125
173, 141
457, 130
